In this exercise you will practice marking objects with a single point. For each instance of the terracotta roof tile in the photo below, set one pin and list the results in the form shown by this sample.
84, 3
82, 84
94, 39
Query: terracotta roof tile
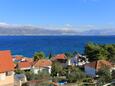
98, 64
92, 64
18, 57
24, 64
6, 62
43, 63
59, 56
28, 59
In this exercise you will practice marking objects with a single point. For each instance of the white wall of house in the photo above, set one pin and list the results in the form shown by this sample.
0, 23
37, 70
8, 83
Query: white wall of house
80, 63
33, 70
90, 71
7, 79
49, 69
28, 68
113, 68
2, 76
36, 70
69, 62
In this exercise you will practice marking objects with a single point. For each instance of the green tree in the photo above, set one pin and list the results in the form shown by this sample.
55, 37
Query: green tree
103, 54
17, 71
41, 75
30, 75
56, 69
75, 53
74, 74
111, 52
50, 56
68, 54
104, 75
95, 52
39, 55
113, 74
90, 51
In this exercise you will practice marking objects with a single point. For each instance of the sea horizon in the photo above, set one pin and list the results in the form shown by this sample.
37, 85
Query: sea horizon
54, 35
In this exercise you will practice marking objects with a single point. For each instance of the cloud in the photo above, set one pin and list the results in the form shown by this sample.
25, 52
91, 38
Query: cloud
3, 24
68, 25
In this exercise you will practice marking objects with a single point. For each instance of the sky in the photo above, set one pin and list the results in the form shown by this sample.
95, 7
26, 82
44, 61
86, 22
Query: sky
76, 14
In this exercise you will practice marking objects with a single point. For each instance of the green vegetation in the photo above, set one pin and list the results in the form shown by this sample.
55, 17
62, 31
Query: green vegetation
37, 83
74, 74
88, 80
104, 76
19, 71
56, 69
100, 52
39, 55
111, 52
70, 54
50, 56
113, 74
41, 75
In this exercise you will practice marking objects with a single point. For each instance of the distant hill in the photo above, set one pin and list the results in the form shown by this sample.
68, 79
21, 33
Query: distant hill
6, 29
31, 30
110, 31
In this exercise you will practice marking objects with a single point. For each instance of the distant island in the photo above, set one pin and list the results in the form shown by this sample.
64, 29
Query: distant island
8, 29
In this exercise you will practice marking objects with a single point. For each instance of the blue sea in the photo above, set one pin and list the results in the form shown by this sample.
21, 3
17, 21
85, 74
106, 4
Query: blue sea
28, 45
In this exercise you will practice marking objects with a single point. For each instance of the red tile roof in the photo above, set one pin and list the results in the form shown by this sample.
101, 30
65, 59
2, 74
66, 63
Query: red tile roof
18, 57
6, 62
28, 59
24, 64
99, 64
59, 56
43, 63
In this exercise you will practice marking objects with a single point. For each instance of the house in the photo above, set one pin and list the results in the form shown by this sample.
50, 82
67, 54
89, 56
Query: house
43, 65
92, 68
24, 65
61, 58
27, 59
6, 69
17, 58
20, 79
78, 60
